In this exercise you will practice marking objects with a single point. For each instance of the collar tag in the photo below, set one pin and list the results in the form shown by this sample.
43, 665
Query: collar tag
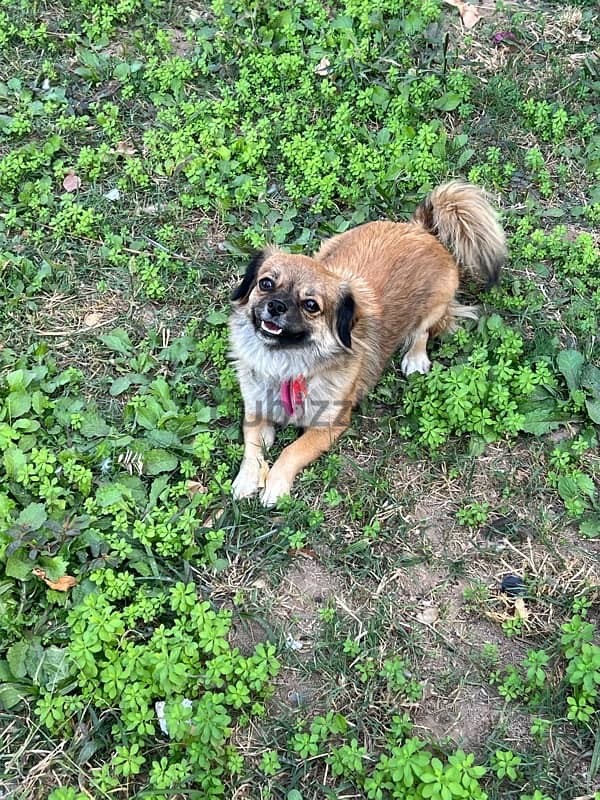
293, 394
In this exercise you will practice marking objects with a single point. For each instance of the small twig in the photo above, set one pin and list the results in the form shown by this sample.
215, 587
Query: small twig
125, 249
361, 633
78, 331
164, 249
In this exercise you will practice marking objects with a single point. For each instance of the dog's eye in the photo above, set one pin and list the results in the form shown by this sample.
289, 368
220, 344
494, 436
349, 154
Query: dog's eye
266, 285
311, 306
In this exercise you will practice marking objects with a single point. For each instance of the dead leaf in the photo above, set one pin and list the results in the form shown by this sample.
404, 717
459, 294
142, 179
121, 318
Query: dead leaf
211, 521
92, 319
61, 585
263, 475
521, 611
194, 14
428, 615
71, 182
496, 616
125, 149
469, 14
322, 67
196, 487
112, 194
307, 552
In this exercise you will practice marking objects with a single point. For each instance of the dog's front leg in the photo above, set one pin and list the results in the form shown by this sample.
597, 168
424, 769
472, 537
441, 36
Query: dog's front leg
258, 437
295, 457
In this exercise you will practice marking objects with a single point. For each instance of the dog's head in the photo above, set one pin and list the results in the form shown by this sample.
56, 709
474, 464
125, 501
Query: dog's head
292, 301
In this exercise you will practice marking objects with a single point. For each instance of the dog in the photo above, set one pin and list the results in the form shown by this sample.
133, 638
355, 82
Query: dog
310, 336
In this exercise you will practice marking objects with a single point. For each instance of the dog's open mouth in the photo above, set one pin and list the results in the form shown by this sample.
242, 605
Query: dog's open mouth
271, 328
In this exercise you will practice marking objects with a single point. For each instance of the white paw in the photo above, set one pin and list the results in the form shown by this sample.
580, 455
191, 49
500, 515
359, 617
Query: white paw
250, 478
415, 362
277, 486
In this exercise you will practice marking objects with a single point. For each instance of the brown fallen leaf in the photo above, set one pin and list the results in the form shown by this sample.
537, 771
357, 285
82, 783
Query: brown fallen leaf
92, 319
71, 182
125, 149
264, 474
196, 487
306, 552
496, 616
212, 520
61, 585
521, 611
323, 67
195, 15
469, 14
428, 615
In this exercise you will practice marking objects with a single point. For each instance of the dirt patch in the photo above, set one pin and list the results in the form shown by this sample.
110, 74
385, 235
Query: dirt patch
86, 312
411, 583
180, 43
294, 609
83, 312
306, 588
296, 692
466, 718
246, 632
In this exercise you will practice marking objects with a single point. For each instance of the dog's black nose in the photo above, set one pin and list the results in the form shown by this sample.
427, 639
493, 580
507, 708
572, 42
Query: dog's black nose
276, 307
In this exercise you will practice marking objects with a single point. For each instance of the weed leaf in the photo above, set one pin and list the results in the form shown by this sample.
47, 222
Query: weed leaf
120, 385
590, 379
158, 460
572, 486
33, 516
544, 419
570, 363
16, 656
217, 318
14, 462
18, 565
93, 425
593, 408
18, 404
590, 527
118, 341
10, 696
448, 102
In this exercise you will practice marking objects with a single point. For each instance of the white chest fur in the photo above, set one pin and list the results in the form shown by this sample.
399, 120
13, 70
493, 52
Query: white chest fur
322, 404
263, 369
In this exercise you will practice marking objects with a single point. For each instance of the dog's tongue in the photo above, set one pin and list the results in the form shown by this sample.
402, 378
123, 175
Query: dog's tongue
293, 394
272, 326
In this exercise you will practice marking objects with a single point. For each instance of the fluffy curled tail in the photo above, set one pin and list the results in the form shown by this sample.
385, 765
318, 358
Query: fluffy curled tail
462, 218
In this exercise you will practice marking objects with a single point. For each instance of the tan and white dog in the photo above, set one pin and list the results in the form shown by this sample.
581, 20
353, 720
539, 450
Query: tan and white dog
311, 335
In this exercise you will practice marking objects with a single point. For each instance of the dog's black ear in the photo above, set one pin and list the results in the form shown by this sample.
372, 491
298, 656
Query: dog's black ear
249, 279
346, 311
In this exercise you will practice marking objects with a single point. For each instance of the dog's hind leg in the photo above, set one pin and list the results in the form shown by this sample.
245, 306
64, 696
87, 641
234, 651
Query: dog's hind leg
416, 359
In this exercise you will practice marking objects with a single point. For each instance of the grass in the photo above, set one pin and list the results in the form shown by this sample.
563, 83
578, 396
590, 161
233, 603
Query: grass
355, 641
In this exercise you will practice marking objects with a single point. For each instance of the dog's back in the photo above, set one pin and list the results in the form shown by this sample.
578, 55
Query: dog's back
405, 267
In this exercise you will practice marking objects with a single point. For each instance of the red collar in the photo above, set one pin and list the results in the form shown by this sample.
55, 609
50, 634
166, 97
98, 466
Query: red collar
293, 394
